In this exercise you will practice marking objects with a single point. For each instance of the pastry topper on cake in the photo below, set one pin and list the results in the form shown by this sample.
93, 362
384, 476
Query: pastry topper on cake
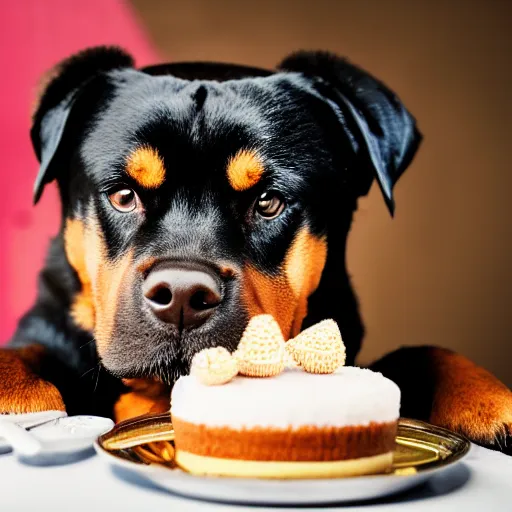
263, 352
213, 366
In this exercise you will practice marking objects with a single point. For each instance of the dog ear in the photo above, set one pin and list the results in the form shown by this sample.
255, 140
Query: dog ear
65, 86
382, 132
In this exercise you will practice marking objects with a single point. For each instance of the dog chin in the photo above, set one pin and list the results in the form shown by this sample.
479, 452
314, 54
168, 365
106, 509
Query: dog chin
162, 366
164, 358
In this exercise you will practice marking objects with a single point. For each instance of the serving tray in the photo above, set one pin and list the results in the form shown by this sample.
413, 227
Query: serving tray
145, 446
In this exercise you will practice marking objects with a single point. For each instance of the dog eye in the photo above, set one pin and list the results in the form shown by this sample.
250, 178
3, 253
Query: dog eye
124, 200
270, 205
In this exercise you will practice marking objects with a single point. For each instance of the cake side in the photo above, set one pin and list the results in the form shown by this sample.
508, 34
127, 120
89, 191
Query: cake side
306, 443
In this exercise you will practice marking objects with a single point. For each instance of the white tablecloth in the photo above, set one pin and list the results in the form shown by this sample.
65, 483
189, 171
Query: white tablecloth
482, 483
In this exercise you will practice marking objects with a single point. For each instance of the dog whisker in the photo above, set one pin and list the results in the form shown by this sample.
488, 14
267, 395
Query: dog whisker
88, 371
97, 377
87, 343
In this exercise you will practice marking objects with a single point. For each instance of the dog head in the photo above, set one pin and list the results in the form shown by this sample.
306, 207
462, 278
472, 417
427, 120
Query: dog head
198, 195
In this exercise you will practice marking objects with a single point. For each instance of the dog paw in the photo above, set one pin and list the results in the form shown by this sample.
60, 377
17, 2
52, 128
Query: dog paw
448, 390
477, 405
486, 421
21, 389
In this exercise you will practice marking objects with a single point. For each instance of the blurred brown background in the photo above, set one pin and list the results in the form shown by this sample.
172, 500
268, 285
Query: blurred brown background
439, 273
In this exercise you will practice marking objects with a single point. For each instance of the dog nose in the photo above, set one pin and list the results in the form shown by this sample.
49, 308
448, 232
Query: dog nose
184, 297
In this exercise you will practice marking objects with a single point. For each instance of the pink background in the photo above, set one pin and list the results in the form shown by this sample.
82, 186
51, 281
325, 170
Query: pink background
35, 35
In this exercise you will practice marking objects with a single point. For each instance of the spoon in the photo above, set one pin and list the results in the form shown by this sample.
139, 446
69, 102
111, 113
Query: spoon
27, 421
60, 440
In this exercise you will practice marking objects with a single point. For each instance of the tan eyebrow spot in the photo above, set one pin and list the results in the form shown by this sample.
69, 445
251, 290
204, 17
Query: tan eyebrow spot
244, 170
146, 167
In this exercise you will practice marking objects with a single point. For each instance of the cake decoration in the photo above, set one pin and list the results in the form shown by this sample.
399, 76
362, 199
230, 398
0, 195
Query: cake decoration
318, 349
261, 351
289, 362
214, 366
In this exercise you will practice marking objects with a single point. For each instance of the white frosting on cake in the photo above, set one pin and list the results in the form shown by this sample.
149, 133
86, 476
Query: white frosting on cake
350, 396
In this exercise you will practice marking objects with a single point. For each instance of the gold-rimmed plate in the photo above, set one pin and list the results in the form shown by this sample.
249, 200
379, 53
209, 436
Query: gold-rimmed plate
145, 445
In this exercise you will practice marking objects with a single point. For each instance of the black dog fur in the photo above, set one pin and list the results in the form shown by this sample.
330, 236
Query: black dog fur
324, 130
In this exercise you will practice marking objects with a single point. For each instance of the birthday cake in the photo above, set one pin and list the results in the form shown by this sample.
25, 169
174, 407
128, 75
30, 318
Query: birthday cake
283, 410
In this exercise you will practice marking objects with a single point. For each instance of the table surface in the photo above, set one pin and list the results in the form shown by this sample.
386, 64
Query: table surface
482, 482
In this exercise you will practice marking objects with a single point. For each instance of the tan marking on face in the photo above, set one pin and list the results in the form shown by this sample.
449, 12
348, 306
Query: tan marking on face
146, 167
285, 296
110, 278
95, 306
271, 295
244, 170
303, 268
82, 308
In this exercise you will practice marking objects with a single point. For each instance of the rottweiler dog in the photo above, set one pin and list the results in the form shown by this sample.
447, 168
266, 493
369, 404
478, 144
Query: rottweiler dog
195, 196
